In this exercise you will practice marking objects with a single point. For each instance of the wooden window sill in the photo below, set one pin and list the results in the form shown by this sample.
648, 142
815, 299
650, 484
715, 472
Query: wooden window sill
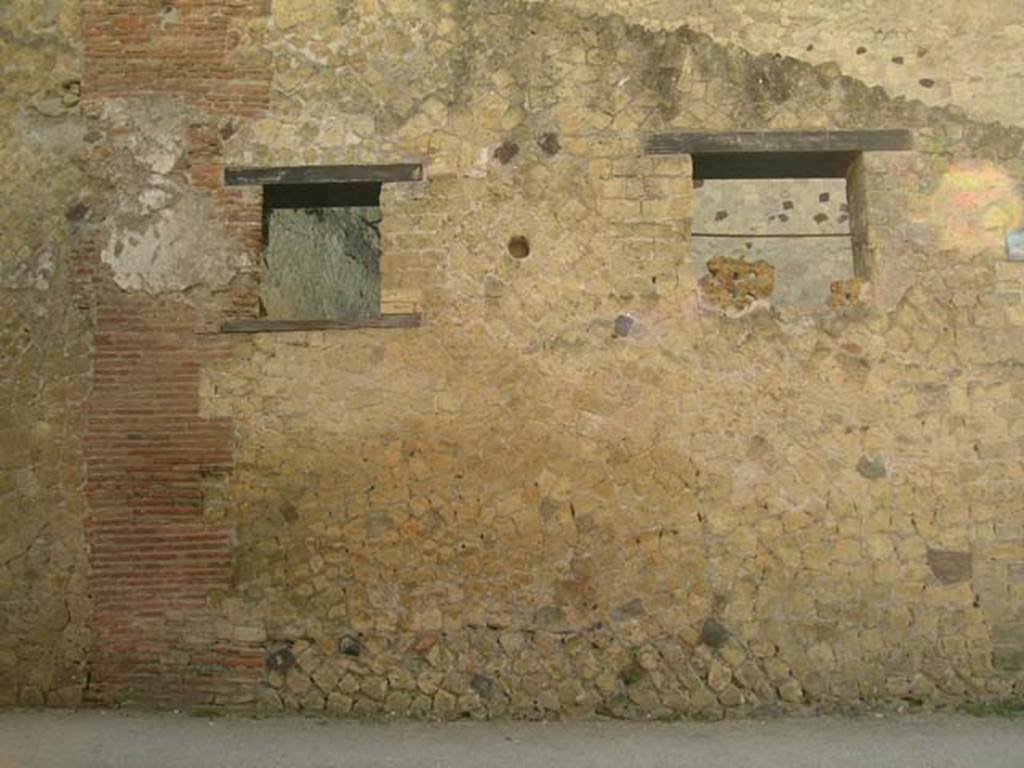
398, 320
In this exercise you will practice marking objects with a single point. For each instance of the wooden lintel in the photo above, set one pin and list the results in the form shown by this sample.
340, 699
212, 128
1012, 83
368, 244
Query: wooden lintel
404, 320
323, 174
889, 139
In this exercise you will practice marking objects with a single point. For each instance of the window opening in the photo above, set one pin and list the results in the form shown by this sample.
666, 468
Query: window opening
320, 257
321, 252
787, 202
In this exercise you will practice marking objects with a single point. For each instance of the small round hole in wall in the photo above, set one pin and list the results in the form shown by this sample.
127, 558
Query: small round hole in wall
519, 247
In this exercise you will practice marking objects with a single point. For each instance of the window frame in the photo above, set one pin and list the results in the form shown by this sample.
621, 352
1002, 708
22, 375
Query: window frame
306, 177
784, 155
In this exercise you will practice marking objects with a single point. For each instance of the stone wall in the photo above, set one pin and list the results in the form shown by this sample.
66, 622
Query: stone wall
941, 53
584, 485
44, 361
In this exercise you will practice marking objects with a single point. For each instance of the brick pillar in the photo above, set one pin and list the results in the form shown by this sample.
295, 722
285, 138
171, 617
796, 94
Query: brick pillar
158, 567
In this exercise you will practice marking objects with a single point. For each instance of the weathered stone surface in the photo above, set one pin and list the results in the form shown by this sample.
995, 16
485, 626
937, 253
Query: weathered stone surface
44, 360
734, 284
846, 293
950, 567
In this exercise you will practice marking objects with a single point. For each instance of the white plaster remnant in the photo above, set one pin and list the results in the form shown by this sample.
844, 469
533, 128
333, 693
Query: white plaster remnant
183, 246
165, 235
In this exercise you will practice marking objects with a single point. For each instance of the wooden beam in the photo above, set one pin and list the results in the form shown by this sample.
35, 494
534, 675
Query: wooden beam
323, 174
687, 143
406, 320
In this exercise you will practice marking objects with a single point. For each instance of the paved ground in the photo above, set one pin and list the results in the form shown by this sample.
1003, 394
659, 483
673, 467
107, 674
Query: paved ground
92, 739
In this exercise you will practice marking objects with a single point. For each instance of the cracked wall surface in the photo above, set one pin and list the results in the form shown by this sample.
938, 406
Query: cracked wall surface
585, 485
44, 363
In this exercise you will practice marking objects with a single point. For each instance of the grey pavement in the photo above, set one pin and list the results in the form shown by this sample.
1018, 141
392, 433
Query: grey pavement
88, 739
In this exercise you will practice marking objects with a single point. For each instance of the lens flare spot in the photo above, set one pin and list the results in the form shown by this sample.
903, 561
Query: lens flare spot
976, 206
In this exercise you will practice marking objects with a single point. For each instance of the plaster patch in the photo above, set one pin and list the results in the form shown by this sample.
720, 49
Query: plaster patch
156, 132
183, 246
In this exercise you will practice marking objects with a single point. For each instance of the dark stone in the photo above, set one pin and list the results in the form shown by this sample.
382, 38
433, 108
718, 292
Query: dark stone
897, 59
631, 674
280, 660
713, 634
872, 469
783, 218
289, 512
821, 218
787, 205
483, 685
721, 215
926, 82
549, 143
861, 50
632, 610
76, 212
824, 197
350, 645
623, 325
507, 151
950, 567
